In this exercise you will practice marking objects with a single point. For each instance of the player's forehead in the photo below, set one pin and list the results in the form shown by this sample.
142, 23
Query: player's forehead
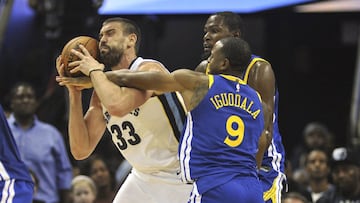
117, 26
215, 21
317, 155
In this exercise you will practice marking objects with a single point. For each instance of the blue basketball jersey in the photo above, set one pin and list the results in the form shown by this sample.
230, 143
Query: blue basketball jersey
272, 172
275, 155
16, 185
11, 165
221, 136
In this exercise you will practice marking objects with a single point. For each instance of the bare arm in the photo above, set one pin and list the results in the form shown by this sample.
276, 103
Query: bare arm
118, 101
82, 143
145, 80
202, 66
192, 85
262, 79
182, 80
263, 143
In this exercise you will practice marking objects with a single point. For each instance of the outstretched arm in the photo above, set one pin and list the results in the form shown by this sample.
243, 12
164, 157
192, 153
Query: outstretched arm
160, 82
192, 85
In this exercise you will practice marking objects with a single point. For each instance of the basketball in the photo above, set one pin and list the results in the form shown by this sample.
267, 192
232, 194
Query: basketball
67, 57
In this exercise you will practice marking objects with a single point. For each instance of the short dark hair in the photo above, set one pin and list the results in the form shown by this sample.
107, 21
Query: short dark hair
295, 195
130, 27
14, 88
233, 21
86, 165
237, 51
319, 150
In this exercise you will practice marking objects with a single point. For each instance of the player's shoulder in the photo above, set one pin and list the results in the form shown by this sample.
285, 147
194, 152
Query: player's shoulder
259, 71
151, 65
202, 66
260, 65
257, 62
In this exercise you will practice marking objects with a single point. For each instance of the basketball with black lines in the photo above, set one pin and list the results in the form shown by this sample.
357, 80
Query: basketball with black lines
91, 44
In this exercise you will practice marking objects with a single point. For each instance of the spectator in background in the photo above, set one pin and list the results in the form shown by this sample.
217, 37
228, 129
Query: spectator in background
346, 177
315, 136
98, 170
83, 189
41, 146
294, 197
318, 170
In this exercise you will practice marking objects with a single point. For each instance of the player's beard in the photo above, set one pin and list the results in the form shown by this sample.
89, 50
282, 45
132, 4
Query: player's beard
111, 58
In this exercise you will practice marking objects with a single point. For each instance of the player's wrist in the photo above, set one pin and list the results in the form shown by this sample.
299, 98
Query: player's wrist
99, 68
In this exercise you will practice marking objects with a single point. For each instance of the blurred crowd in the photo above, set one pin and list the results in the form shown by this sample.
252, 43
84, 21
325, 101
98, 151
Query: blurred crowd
319, 171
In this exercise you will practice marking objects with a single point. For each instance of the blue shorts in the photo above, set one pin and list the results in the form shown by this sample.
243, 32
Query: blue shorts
272, 184
237, 190
16, 191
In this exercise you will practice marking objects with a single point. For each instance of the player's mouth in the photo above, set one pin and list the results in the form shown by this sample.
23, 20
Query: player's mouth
104, 49
207, 48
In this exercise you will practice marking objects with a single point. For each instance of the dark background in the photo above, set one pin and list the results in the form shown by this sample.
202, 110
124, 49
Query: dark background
313, 56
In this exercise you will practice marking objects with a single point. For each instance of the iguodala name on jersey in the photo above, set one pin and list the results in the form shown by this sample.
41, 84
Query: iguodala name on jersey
235, 100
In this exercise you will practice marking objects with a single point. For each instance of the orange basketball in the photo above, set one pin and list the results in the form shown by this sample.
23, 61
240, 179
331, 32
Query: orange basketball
89, 43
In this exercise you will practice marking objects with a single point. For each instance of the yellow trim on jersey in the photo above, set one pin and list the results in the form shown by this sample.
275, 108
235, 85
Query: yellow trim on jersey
207, 69
272, 193
253, 61
233, 78
211, 80
240, 81
258, 96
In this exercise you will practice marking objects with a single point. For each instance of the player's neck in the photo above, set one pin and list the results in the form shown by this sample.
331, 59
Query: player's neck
125, 62
233, 73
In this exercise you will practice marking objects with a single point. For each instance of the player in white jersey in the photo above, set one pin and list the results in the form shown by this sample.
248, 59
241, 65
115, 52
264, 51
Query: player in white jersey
144, 127
223, 142
148, 139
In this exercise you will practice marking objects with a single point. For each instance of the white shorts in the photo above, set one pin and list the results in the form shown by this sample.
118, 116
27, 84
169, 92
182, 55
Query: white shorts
140, 188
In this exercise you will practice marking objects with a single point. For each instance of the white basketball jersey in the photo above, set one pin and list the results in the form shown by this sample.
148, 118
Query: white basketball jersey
148, 137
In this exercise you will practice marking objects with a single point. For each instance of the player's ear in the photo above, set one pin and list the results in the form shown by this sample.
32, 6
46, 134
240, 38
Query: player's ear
132, 39
225, 64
